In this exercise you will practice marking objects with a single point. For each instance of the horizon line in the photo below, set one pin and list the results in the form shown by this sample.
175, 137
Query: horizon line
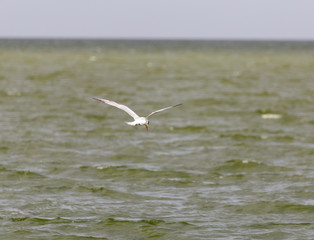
154, 39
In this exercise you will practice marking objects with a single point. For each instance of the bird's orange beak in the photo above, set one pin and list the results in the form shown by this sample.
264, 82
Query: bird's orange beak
146, 127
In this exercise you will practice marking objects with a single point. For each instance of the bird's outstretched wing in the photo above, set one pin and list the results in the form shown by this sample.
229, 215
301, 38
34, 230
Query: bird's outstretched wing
120, 106
163, 109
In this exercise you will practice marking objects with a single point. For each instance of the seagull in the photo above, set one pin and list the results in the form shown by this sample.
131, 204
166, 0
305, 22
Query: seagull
137, 119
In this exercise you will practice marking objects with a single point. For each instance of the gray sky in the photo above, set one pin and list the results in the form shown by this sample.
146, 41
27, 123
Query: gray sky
174, 19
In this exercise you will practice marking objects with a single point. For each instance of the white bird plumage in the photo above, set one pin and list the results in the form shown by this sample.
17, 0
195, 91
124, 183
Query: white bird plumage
137, 119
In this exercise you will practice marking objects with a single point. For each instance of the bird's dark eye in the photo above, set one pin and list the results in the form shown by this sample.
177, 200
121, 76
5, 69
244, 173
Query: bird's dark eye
147, 122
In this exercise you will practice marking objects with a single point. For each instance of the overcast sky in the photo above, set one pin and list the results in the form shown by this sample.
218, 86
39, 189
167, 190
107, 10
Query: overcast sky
162, 19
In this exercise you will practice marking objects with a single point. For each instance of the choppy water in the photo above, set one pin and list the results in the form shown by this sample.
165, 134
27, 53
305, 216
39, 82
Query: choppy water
234, 162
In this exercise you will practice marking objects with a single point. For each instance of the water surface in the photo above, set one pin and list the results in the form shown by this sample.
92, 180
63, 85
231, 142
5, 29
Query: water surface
234, 162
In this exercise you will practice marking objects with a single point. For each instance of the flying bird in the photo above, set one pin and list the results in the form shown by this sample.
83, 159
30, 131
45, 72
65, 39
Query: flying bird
137, 119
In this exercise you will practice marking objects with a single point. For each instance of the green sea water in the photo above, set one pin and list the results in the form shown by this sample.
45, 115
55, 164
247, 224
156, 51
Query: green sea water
235, 161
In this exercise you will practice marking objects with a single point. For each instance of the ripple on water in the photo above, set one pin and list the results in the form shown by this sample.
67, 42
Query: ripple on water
247, 166
273, 207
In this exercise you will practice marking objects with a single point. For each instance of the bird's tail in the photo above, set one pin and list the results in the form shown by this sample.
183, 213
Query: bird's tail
130, 123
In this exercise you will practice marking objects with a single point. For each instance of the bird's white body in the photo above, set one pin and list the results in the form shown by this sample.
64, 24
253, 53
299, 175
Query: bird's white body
137, 119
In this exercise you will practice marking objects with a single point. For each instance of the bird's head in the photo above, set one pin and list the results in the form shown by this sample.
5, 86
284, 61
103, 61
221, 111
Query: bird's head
146, 124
